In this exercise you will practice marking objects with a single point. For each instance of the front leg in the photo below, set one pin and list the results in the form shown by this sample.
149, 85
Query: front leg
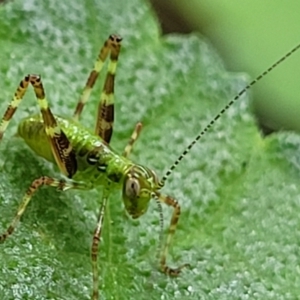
172, 228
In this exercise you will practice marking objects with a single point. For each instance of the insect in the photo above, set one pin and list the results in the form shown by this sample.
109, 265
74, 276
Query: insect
87, 160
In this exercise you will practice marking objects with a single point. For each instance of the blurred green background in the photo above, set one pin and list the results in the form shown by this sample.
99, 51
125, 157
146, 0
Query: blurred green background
245, 33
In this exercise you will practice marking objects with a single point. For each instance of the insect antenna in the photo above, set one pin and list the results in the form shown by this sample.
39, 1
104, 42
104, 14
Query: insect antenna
222, 111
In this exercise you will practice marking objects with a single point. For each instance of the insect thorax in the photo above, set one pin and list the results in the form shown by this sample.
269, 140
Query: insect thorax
95, 160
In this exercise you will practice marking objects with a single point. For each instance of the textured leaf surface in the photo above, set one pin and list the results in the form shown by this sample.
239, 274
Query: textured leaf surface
239, 227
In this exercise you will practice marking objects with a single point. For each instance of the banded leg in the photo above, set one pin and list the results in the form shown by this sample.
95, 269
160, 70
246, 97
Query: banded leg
13, 105
133, 138
95, 244
104, 51
35, 185
173, 224
105, 117
60, 145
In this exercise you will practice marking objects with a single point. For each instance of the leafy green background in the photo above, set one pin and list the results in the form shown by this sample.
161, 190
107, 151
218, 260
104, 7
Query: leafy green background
239, 193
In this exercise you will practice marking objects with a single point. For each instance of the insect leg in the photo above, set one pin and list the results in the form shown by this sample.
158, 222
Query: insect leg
35, 185
61, 147
95, 244
105, 117
133, 138
13, 105
172, 228
104, 51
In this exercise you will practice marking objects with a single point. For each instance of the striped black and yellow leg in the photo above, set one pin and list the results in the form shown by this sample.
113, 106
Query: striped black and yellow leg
105, 117
95, 244
13, 105
104, 51
133, 138
172, 228
35, 185
61, 147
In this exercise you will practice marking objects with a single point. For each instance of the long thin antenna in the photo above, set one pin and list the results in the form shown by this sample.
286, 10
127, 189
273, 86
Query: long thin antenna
211, 123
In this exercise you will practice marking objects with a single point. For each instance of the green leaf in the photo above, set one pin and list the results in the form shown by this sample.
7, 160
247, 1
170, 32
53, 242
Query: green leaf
239, 193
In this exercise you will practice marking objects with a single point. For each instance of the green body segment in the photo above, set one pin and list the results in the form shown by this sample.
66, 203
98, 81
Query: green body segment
107, 164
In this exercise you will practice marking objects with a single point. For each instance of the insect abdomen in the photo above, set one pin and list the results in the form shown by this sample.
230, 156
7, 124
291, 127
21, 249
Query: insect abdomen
83, 141
32, 130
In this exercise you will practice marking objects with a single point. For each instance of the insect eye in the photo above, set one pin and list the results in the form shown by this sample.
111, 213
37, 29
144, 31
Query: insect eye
132, 188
